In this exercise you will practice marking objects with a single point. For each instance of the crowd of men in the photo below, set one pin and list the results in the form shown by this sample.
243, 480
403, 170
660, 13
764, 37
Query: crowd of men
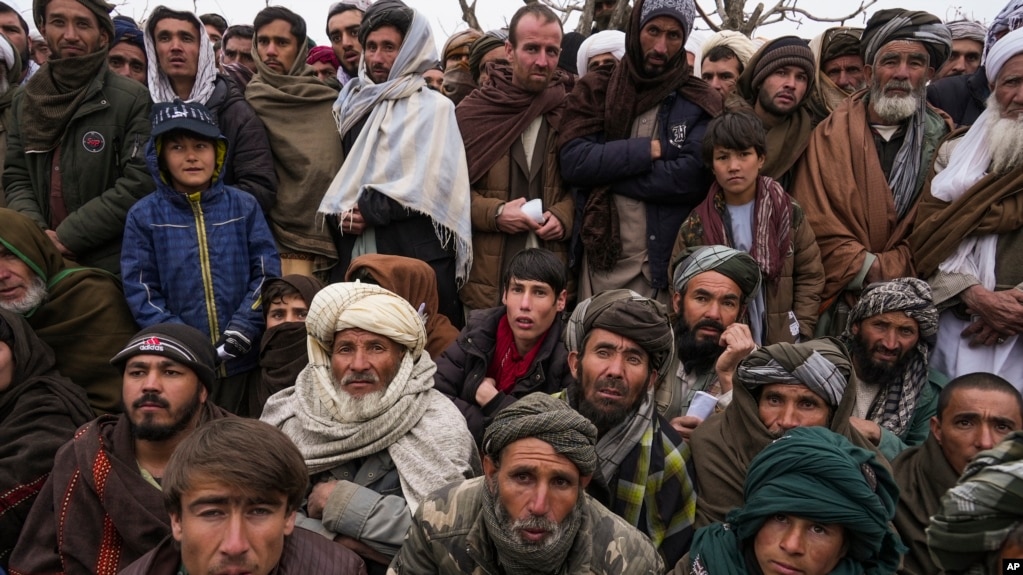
632, 302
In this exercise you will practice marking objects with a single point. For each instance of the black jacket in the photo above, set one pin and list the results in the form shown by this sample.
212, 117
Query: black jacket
962, 97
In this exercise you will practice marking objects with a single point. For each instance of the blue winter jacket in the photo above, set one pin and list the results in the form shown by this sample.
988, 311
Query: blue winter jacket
200, 260
671, 186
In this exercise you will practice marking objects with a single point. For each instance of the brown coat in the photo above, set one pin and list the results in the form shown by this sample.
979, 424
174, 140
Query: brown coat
483, 289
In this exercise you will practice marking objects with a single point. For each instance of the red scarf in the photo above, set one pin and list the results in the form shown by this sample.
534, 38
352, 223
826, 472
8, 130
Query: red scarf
507, 366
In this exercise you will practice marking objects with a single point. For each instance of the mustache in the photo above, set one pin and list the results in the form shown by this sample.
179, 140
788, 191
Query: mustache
612, 383
150, 398
360, 376
714, 324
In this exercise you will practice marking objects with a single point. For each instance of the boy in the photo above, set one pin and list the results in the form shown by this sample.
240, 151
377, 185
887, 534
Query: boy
282, 352
197, 251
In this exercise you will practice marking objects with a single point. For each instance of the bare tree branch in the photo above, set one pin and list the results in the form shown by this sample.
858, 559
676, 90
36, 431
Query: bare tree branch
469, 14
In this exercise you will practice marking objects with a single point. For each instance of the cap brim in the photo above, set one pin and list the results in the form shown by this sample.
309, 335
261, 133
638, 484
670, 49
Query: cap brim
187, 125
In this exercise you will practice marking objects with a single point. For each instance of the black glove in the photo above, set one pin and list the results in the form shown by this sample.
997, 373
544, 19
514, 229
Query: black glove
232, 344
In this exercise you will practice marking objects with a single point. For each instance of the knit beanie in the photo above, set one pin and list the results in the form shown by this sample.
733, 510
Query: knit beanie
682, 10
98, 7
785, 51
179, 342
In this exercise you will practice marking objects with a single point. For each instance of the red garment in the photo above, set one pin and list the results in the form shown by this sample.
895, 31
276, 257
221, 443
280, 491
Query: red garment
507, 366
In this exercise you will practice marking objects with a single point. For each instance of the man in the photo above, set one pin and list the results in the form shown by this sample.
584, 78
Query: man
860, 178
254, 499
967, 46
15, 28
237, 47
79, 312
486, 49
780, 387
282, 351
619, 346
511, 350
182, 66
101, 507
839, 71
713, 288
601, 50
890, 336
38, 47
531, 513
215, 26
413, 201
343, 22
777, 84
324, 62
510, 130
375, 435
127, 56
637, 154
453, 68
75, 164
296, 109
968, 229
10, 73
725, 56
974, 413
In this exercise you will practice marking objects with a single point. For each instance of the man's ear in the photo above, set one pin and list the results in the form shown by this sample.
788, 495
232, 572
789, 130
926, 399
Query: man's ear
936, 428
573, 363
676, 302
489, 467
176, 530
289, 524
562, 300
868, 72
652, 379
584, 480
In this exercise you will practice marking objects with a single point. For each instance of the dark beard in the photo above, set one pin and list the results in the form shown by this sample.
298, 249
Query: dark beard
875, 372
696, 354
603, 415
146, 430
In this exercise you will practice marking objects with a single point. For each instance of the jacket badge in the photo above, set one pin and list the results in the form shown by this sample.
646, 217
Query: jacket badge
93, 142
678, 134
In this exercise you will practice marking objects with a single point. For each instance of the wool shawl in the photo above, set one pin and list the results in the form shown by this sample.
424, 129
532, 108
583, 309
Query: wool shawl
492, 117
160, 86
847, 200
923, 475
296, 110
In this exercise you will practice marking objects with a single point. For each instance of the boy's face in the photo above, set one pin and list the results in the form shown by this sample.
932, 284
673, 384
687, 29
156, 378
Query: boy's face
736, 172
287, 309
190, 160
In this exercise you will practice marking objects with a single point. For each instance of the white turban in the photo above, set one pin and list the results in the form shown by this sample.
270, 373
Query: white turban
735, 41
694, 44
612, 41
1010, 45
368, 307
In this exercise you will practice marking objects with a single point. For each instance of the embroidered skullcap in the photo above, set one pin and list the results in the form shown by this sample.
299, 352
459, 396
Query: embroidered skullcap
738, 266
1009, 46
550, 420
682, 10
915, 26
608, 41
784, 51
822, 365
368, 307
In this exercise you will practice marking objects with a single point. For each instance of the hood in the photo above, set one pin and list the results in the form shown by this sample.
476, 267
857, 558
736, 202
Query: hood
162, 178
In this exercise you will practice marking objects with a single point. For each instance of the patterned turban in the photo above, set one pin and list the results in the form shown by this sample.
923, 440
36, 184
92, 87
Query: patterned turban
915, 26
369, 307
967, 30
550, 420
458, 45
822, 365
908, 295
843, 42
484, 44
1010, 18
736, 265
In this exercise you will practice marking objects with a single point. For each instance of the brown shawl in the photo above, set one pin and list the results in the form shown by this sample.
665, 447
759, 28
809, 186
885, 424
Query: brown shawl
492, 117
416, 282
84, 318
608, 102
923, 475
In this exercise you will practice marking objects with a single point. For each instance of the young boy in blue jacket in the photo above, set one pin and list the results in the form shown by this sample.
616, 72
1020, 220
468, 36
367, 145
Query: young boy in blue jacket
197, 251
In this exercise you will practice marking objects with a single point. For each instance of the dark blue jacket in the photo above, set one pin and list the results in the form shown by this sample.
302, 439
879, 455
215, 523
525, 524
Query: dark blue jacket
962, 97
670, 186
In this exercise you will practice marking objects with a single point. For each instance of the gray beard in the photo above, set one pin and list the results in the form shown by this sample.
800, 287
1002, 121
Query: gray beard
1005, 138
357, 409
894, 109
35, 296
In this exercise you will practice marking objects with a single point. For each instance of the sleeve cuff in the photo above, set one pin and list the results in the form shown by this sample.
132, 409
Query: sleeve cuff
348, 508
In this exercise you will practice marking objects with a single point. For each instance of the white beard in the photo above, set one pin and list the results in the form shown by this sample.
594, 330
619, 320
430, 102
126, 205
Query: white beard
1005, 138
894, 109
34, 296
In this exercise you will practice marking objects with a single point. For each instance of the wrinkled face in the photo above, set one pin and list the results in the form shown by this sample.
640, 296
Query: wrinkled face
434, 79
535, 57
532, 307
784, 406
324, 70
711, 303
846, 72
6, 367
276, 46
974, 420
788, 544
190, 161
161, 397
343, 30
537, 489
289, 308
223, 530
606, 61
661, 40
128, 60
72, 30
496, 55
213, 33
21, 289
177, 49
900, 73
736, 172
364, 362
613, 374
883, 345
721, 75
238, 50
1008, 88
381, 50
964, 59
782, 91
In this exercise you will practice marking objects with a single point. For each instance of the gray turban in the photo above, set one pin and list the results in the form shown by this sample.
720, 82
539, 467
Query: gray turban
967, 30
550, 420
915, 26
822, 365
738, 266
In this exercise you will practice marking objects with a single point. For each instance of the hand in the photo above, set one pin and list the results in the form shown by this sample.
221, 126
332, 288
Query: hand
59, 245
232, 344
867, 428
655, 149
685, 425
318, 498
1001, 310
551, 230
512, 220
738, 343
980, 332
353, 223
486, 391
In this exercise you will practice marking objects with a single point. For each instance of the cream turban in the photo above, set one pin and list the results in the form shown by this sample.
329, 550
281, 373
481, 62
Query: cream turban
612, 41
369, 307
735, 41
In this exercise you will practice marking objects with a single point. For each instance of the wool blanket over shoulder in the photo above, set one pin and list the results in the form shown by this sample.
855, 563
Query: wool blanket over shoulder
923, 475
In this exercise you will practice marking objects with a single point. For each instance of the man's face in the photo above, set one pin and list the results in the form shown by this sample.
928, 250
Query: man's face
606, 61
289, 308
536, 491
974, 420
161, 397
177, 49
434, 79
277, 46
721, 75
364, 362
532, 307
782, 91
788, 544
712, 302
661, 40
784, 406
898, 79
128, 60
72, 30
213, 33
613, 375
964, 59
1008, 88
343, 30
238, 50
21, 289
535, 57
324, 70
40, 51
882, 345
223, 529
10, 26
846, 72
380, 51
498, 55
